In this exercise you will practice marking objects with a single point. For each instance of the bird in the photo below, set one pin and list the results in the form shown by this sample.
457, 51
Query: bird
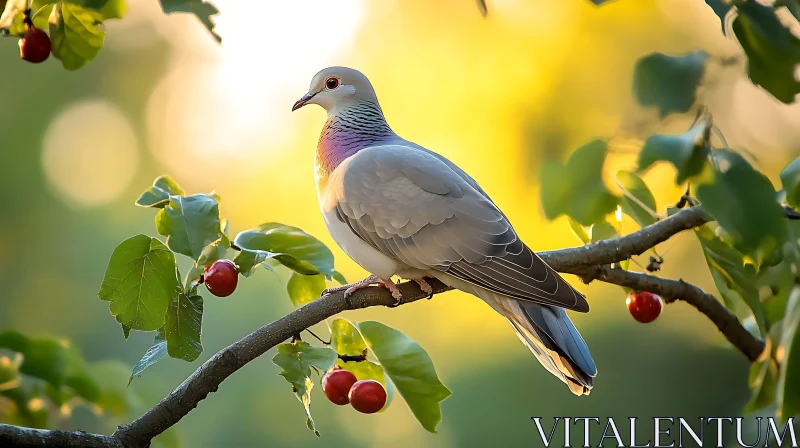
400, 210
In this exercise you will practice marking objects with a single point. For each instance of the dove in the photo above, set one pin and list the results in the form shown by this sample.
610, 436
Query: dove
400, 210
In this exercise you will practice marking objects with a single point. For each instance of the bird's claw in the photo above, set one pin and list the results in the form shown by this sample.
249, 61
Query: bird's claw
327, 291
371, 280
398, 302
398, 296
424, 286
349, 291
353, 287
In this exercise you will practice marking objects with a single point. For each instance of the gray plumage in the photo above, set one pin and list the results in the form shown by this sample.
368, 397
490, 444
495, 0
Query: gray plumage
397, 208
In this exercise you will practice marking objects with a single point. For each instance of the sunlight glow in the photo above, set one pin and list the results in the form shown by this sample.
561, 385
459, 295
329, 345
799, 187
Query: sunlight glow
90, 153
235, 103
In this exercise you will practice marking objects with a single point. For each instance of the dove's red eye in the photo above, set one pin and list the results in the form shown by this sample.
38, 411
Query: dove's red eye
332, 83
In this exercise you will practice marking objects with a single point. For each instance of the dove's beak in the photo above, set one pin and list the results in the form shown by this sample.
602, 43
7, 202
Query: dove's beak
302, 101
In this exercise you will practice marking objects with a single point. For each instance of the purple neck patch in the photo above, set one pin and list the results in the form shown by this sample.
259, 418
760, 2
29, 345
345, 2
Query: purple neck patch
357, 127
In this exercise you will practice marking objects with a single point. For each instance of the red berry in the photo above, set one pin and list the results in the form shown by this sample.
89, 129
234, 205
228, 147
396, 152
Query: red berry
644, 306
221, 278
367, 396
34, 46
336, 384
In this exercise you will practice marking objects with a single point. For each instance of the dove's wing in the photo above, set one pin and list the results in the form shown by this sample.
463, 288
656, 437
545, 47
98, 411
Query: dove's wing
412, 206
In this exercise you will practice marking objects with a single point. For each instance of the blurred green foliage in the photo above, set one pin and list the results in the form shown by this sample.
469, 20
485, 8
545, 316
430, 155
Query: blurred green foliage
666, 370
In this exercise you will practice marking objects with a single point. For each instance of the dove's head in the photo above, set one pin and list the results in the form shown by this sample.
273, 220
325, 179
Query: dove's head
336, 87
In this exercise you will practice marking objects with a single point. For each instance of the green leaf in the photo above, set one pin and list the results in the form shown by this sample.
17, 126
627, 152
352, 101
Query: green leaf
41, 9
577, 189
734, 279
669, 82
642, 208
203, 10
9, 371
773, 52
96, 5
777, 281
152, 355
183, 327
339, 278
84, 385
190, 223
763, 380
579, 231
44, 358
75, 34
410, 369
790, 179
304, 289
25, 413
290, 246
114, 9
789, 379
53, 360
158, 195
687, 152
345, 338
297, 360
140, 281
742, 201
603, 230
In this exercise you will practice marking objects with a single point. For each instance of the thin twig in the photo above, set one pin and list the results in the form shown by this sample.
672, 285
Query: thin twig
324, 342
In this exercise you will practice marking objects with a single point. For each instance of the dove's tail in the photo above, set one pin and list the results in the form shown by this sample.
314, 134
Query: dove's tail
547, 332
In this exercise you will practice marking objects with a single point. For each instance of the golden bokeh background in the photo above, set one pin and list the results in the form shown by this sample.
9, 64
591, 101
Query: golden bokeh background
535, 78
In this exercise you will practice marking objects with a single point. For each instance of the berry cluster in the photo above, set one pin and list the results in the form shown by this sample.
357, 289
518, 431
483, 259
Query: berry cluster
341, 387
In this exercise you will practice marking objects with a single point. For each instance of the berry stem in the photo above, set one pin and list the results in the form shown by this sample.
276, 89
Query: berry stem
318, 338
28, 21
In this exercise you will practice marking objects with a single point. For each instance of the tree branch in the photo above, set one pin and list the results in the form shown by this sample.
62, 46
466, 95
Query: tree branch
589, 262
15, 436
208, 376
672, 290
621, 248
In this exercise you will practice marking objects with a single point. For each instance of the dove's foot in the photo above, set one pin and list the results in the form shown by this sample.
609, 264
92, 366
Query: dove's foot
423, 285
352, 287
369, 281
398, 296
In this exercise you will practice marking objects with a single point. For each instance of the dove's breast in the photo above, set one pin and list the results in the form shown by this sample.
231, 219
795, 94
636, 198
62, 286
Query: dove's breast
330, 192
